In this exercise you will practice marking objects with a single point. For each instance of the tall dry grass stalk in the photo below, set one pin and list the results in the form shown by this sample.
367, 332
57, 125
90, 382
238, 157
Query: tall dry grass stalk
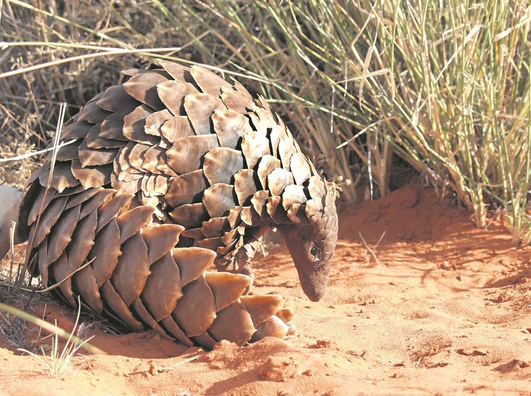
442, 85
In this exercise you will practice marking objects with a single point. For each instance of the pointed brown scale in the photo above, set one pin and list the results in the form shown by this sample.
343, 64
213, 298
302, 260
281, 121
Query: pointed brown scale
186, 154
192, 262
85, 285
37, 203
266, 166
300, 168
83, 196
190, 215
121, 162
175, 70
76, 130
116, 100
172, 94
176, 128
262, 307
141, 311
61, 269
228, 251
199, 108
313, 207
272, 327
219, 199
230, 126
216, 226
210, 243
196, 309
277, 133
296, 213
95, 202
285, 151
66, 153
62, 177
293, 194
149, 201
249, 216
68, 192
322, 234
82, 240
143, 87
61, 233
275, 210
123, 187
230, 237
130, 175
113, 300
134, 124
43, 262
146, 187
234, 217
92, 157
186, 188
285, 314
112, 127
150, 159
254, 147
227, 287
44, 169
316, 187
209, 82
132, 271
133, 220
95, 140
278, 180
163, 287
261, 108
48, 219
155, 121
234, 324
132, 72
193, 233
92, 176
110, 209
92, 113
174, 330
244, 186
259, 201
161, 185
205, 340
136, 155
160, 239
261, 125
221, 163
235, 100
105, 252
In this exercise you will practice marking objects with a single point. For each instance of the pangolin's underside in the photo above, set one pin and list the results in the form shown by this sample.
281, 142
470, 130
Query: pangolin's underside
172, 174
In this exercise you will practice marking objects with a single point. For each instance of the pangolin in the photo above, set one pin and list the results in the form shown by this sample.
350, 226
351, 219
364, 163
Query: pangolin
169, 174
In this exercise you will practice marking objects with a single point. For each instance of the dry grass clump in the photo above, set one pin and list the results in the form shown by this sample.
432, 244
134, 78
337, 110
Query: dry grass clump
365, 86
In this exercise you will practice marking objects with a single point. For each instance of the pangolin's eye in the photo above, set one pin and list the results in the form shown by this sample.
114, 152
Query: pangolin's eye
313, 251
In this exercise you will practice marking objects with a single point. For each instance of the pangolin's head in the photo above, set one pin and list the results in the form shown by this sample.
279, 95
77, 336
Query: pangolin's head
312, 246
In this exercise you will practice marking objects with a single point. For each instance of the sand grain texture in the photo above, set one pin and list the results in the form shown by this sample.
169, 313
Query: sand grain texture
443, 310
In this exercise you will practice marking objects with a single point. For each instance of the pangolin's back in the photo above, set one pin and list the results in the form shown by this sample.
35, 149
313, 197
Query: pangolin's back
171, 172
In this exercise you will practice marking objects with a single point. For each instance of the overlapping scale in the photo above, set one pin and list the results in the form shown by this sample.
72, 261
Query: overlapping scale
185, 148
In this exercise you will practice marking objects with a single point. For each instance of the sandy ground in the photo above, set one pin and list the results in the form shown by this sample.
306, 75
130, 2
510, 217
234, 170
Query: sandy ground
439, 308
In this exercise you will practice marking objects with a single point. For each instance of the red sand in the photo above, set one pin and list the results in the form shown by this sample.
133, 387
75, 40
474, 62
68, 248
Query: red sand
442, 307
